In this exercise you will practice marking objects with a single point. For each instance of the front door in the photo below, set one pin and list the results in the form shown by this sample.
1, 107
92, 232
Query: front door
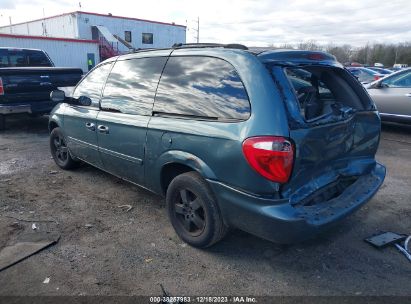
80, 125
121, 139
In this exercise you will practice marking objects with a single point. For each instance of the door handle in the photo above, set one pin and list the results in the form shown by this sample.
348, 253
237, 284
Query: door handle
90, 126
102, 129
408, 94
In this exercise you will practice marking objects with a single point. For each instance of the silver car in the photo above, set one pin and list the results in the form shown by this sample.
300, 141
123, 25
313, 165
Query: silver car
392, 95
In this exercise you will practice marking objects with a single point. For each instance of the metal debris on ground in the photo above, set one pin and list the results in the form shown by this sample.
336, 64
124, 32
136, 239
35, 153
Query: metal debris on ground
386, 239
26, 246
126, 208
46, 281
406, 250
34, 226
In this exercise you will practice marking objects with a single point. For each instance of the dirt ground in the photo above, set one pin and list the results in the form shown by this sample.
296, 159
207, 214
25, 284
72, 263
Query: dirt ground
104, 250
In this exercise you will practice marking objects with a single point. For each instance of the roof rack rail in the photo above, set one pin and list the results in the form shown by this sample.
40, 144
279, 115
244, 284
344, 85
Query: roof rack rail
205, 45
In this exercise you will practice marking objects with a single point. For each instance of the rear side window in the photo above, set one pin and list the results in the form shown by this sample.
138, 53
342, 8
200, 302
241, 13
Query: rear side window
131, 86
202, 87
323, 92
37, 59
92, 84
401, 80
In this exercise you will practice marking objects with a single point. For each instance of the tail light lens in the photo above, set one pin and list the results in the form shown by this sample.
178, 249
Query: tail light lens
376, 77
1, 87
270, 156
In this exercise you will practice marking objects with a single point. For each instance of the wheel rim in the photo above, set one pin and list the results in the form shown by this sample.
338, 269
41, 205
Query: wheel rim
60, 149
189, 212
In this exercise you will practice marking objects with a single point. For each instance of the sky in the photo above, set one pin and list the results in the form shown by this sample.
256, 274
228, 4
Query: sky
251, 22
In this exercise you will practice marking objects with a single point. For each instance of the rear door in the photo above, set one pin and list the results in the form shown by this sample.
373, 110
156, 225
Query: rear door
126, 109
335, 129
80, 125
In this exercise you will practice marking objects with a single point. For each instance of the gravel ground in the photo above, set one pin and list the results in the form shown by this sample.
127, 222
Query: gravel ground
104, 250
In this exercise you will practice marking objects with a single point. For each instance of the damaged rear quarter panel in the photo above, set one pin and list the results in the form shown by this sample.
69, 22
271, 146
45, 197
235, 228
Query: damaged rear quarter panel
326, 153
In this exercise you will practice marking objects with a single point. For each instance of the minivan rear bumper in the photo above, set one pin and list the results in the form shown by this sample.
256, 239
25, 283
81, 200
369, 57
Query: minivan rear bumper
281, 222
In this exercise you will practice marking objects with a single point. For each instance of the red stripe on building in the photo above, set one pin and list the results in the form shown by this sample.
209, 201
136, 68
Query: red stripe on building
96, 14
48, 38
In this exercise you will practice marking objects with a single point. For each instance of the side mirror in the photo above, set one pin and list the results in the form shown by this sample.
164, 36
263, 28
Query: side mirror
84, 101
383, 85
57, 96
378, 85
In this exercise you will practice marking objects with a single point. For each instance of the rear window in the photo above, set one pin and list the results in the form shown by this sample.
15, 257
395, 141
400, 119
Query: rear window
322, 92
202, 87
23, 58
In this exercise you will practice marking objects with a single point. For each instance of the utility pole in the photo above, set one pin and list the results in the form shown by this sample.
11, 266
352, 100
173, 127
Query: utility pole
44, 23
11, 25
198, 29
197, 37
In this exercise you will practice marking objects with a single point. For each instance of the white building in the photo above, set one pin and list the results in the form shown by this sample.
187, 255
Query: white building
72, 39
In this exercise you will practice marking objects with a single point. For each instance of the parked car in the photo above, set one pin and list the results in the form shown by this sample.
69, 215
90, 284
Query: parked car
27, 77
280, 144
400, 66
381, 71
365, 75
392, 95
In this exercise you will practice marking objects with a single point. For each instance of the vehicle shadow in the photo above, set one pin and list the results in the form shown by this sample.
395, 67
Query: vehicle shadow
24, 123
322, 256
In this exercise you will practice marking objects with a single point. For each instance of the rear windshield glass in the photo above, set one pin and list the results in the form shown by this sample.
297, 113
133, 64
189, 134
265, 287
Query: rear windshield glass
322, 92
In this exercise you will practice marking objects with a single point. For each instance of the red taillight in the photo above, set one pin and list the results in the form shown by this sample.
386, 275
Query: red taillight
377, 77
1, 87
271, 156
316, 56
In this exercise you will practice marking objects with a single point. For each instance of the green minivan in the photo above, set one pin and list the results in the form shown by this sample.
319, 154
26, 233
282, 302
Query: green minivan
278, 143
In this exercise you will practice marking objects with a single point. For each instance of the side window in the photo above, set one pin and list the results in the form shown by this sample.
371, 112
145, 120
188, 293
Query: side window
132, 84
402, 80
92, 84
17, 58
203, 87
37, 59
4, 58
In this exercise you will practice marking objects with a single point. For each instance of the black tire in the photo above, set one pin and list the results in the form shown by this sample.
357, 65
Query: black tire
193, 211
2, 122
59, 150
